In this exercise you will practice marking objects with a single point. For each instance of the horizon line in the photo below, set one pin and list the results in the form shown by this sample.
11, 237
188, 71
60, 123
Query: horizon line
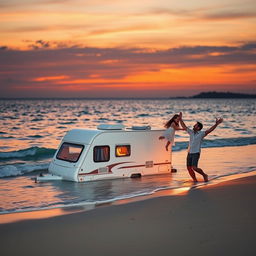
229, 95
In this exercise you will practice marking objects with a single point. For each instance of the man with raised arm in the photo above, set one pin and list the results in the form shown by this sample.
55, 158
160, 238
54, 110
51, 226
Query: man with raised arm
194, 149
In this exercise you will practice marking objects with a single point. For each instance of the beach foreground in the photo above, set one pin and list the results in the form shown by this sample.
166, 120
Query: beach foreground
213, 220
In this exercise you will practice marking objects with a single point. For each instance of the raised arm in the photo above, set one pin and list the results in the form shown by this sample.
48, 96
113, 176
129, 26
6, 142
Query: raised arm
218, 121
176, 127
182, 123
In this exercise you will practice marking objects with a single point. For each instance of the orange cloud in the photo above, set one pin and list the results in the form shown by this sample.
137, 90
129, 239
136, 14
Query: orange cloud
79, 71
49, 78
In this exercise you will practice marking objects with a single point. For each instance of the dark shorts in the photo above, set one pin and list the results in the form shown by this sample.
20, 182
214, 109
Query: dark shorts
192, 159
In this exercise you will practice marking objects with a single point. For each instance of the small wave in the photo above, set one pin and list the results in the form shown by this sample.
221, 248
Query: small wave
98, 112
142, 115
118, 120
240, 129
21, 169
229, 142
35, 136
63, 123
6, 138
37, 119
81, 113
10, 117
33, 152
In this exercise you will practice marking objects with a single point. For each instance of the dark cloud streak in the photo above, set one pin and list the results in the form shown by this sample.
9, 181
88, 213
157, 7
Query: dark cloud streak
229, 16
23, 67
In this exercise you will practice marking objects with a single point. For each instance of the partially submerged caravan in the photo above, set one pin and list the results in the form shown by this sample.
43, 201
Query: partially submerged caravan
108, 152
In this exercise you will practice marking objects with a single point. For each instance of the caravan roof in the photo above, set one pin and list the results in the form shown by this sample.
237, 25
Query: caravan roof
84, 136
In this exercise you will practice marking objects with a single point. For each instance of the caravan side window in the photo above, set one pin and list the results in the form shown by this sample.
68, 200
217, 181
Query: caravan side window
69, 152
101, 154
123, 150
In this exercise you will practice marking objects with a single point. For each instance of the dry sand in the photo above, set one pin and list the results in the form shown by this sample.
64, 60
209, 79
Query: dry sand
214, 220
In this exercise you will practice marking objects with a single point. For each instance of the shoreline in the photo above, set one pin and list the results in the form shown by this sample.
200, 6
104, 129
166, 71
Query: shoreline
6, 218
212, 220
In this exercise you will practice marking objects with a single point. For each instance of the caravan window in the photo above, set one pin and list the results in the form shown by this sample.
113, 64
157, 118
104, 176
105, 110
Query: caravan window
123, 150
70, 152
101, 153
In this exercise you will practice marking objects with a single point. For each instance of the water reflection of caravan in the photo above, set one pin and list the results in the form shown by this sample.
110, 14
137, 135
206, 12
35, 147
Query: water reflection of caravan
109, 152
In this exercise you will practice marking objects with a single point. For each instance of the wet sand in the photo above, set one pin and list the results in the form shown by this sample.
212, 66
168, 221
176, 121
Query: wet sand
211, 220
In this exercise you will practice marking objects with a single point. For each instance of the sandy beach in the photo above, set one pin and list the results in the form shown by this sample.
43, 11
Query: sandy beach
213, 220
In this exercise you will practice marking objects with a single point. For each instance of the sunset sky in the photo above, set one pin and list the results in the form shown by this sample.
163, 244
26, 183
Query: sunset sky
117, 48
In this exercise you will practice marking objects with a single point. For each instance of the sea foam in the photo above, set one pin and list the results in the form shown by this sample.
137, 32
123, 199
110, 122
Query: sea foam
21, 169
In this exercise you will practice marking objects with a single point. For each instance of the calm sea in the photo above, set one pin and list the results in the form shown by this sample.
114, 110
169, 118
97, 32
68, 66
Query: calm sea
31, 130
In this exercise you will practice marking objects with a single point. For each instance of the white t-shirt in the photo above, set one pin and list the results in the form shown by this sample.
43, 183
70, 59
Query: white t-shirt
169, 135
195, 141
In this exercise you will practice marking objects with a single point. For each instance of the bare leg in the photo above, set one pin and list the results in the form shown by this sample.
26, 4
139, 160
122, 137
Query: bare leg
192, 173
199, 170
167, 145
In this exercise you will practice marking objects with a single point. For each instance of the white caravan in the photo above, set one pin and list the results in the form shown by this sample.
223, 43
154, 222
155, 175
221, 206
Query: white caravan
108, 152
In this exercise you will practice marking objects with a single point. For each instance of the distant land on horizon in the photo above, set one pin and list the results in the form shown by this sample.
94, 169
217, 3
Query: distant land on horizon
223, 95
219, 95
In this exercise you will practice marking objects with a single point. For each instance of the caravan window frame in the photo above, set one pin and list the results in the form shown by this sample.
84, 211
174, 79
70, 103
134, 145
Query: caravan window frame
94, 153
123, 145
58, 156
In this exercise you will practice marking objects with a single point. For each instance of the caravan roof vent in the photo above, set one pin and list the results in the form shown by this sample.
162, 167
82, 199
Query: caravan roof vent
110, 127
141, 127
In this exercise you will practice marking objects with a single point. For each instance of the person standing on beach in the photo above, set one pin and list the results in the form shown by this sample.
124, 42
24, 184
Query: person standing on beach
171, 126
194, 149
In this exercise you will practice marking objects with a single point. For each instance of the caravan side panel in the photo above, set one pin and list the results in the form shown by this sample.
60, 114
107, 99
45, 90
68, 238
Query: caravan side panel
147, 155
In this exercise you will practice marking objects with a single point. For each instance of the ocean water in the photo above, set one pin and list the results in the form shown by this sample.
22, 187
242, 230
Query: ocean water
31, 130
